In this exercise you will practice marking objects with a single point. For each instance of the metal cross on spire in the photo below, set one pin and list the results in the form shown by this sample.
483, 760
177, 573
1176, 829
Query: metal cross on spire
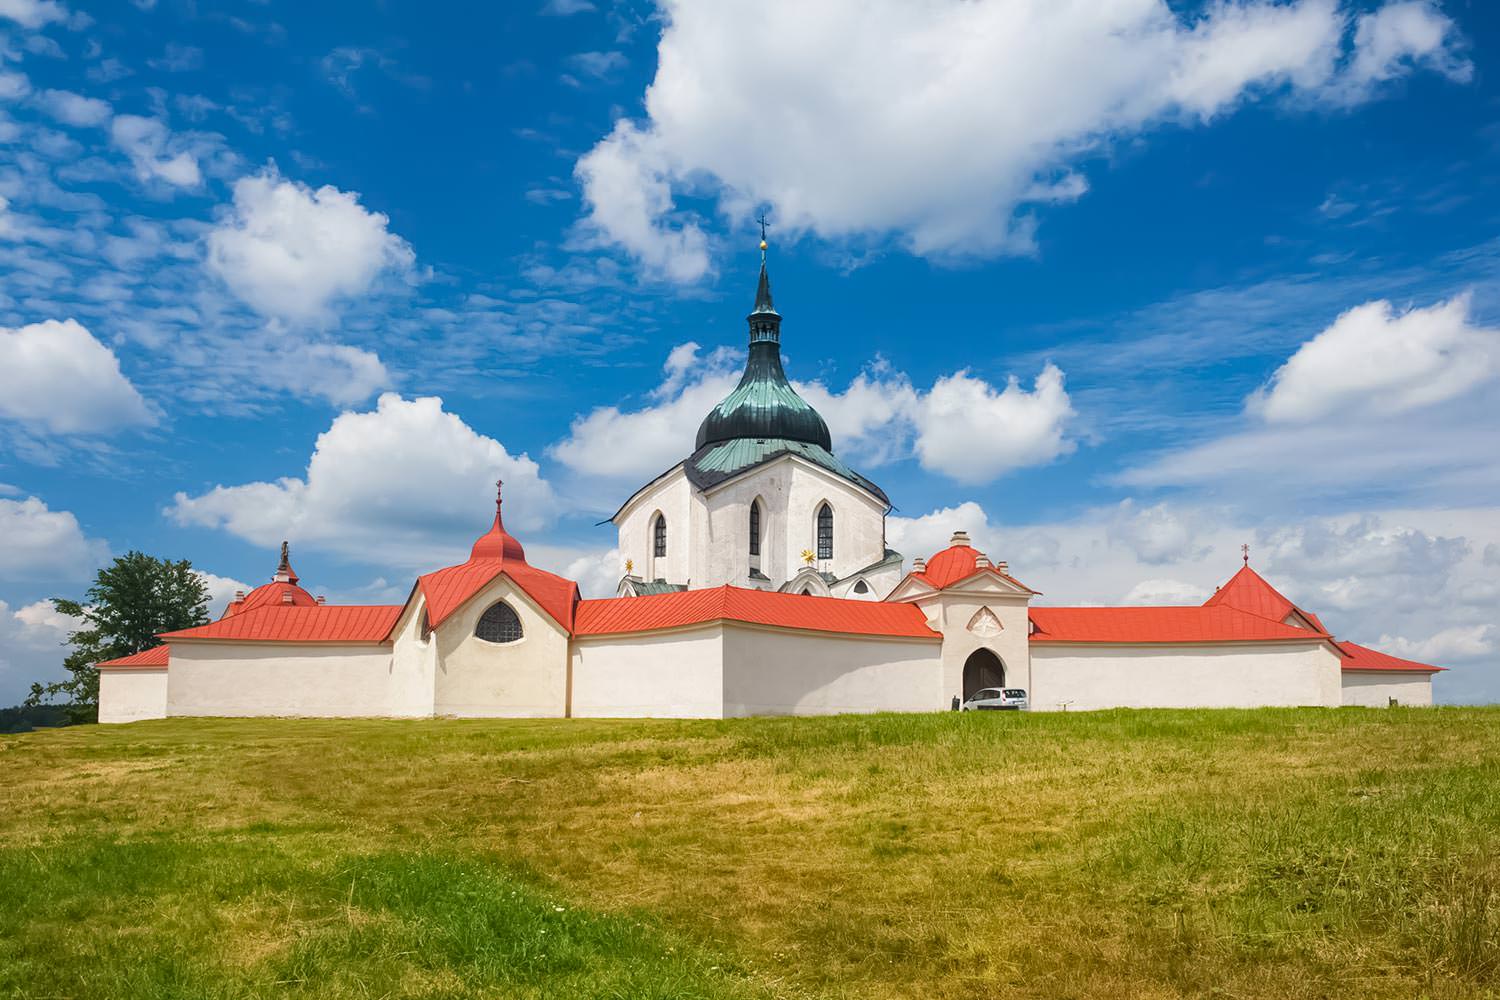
763, 224
499, 485
1245, 552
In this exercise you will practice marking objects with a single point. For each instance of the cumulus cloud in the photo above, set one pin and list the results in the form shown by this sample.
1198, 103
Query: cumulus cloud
288, 251
31, 639
55, 376
1169, 592
1386, 400
221, 590
1373, 359
972, 433
405, 484
1161, 533
44, 544
1467, 642
944, 122
962, 427
74, 109
33, 14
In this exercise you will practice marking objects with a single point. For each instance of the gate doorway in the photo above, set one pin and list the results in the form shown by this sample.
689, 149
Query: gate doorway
983, 669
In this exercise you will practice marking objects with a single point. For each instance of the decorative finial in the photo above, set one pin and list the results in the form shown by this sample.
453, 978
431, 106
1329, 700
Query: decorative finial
286, 553
629, 566
763, 224
1245, 552
284, 571
499, 486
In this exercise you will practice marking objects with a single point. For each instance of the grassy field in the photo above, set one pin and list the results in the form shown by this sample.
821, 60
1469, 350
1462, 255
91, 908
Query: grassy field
1299, 853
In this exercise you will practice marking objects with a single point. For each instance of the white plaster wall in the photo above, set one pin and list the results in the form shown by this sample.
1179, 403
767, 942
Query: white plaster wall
858, 522
523, 679
1247, 675
132, 694
1376, 688
413, 681
674, 497
265, 678
773, 672
664, 675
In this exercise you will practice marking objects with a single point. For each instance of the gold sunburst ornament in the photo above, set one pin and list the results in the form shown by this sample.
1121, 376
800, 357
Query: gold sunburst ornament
807, 556
629, 565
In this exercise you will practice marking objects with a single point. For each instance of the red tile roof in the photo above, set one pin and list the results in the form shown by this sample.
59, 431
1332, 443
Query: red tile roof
1249, 591
494, 553
146, 659
651, 612
292, 623
1365, 658
957, 563
272, 594
1159, 625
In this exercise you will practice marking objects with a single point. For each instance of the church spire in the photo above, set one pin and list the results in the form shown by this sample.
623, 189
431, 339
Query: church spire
765, 321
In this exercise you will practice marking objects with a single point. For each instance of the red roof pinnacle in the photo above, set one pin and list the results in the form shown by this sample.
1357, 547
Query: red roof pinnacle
497, 543
284, 571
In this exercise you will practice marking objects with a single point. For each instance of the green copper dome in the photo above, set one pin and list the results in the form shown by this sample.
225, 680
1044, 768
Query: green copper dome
764, 406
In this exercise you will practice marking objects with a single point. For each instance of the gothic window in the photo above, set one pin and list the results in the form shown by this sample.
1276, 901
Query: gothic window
499, 624
860, 587
825, 532
755, 529
659, 536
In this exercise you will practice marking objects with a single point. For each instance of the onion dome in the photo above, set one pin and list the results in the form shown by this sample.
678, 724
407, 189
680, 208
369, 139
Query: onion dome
764, 406
497, 543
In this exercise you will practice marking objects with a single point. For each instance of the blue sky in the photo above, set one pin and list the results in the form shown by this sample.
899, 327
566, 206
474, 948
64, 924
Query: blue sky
1114, 291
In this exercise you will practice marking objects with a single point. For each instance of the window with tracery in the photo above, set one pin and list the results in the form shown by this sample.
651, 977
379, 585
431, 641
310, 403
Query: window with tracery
499, 624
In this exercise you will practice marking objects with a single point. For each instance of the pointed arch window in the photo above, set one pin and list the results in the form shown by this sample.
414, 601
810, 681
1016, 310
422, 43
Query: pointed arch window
499, 624
755, 527
659, 536
825, 532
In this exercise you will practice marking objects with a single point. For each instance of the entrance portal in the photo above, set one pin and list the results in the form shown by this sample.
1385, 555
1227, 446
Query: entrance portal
983, 669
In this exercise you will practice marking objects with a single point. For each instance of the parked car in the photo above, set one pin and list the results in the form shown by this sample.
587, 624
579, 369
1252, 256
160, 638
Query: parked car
997, 699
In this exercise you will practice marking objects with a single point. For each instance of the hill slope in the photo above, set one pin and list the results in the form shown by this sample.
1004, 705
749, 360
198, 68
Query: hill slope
1302, 853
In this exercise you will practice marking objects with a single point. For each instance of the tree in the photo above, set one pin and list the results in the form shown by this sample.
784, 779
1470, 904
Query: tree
131, 601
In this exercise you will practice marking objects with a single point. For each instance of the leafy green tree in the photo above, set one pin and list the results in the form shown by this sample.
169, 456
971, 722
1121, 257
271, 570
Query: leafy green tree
131, 601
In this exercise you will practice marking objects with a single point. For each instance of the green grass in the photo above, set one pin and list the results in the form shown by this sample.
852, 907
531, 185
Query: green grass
1298, 853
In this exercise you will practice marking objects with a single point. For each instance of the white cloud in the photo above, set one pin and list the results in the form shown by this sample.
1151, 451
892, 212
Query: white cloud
13, 86
74, 109
1379, 400
406, 484
1392, 41
1374, 360
973, 434
288, 251
55, 376
1158, 534
31, 649
962, 427
1467, 642
596, 573
339, 373
920, 537
598, 64
221, 590
33, 14
1171, 592
44, 544
941, 122
155, 153
565, 8
613, 443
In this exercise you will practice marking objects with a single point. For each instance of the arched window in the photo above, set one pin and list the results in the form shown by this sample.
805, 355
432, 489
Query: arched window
755, 527
659, 536
499, 624
825, 532
860, 587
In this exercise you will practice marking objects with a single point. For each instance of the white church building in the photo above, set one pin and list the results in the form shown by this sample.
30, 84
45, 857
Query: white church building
757, 582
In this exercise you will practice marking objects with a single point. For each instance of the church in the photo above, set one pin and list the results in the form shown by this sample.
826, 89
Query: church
757, 581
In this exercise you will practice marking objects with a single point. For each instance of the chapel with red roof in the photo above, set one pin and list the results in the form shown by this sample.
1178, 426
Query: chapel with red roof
757, 581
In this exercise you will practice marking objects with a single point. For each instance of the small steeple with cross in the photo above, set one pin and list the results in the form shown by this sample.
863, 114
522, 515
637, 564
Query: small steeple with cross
764, 222
1245, 552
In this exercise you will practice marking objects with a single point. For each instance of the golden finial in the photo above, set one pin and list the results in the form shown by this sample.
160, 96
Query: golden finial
763, 244
629, 565
807, 556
